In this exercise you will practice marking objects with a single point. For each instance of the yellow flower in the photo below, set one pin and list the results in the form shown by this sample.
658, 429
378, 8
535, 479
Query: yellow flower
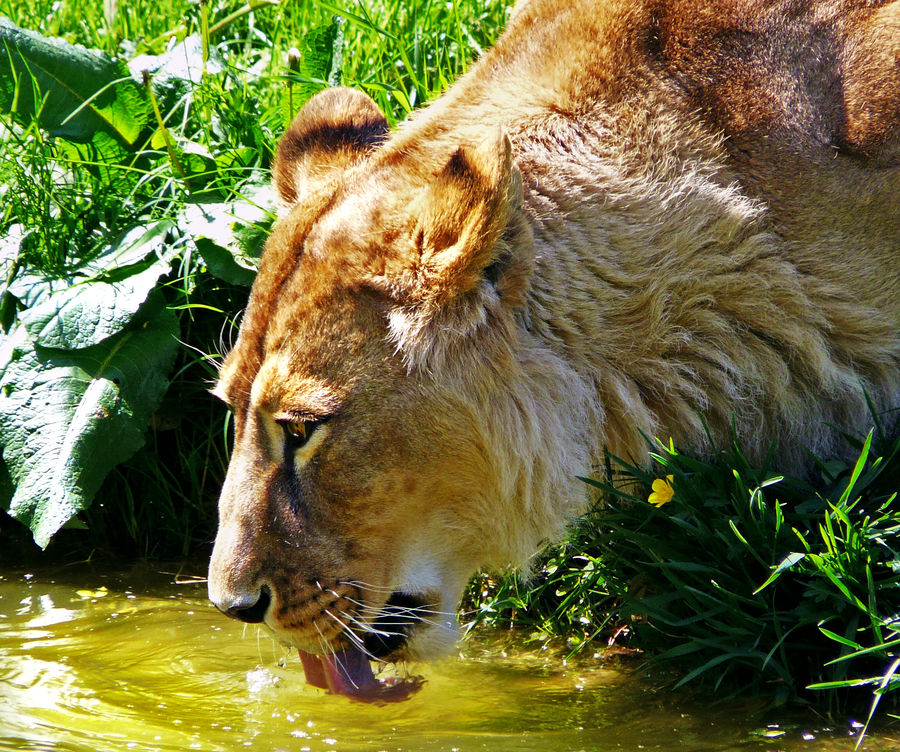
662, 491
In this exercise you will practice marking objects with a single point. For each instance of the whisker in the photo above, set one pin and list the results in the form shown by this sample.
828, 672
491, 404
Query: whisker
356, 639
367, 586
370, 629
365, 626
422, 617
412, 610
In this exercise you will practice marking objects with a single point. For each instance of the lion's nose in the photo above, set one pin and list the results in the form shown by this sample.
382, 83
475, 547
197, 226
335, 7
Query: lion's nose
246, 607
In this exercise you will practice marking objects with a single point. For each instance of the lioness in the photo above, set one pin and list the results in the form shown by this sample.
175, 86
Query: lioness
629, 214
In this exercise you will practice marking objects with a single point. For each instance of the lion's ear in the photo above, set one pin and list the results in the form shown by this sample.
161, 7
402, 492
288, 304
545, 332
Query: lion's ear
462, 215
335, 128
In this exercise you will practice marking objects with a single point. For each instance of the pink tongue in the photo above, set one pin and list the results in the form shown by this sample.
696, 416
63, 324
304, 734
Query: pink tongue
349, 673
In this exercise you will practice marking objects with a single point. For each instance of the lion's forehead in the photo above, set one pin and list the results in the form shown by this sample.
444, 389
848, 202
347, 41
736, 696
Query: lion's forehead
322, 341
281, 388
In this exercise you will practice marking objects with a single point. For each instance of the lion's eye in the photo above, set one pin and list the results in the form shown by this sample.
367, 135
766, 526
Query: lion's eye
297, 432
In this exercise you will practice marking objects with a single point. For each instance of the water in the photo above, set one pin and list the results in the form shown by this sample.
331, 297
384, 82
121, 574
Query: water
91, 662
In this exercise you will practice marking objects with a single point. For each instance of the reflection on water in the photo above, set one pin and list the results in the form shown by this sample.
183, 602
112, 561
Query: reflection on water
92, 662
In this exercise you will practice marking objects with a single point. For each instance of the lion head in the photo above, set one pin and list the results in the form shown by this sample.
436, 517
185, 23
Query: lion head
391, 434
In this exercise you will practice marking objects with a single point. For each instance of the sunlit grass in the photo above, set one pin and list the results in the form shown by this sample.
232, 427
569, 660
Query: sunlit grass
402, 54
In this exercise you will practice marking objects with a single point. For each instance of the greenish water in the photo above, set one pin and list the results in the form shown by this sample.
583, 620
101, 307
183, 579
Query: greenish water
134, 661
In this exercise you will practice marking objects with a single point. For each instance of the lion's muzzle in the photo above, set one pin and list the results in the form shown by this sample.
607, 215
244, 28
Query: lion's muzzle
245, 607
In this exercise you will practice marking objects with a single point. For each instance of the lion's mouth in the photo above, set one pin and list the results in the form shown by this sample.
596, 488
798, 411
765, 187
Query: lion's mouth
349, 672
390, 631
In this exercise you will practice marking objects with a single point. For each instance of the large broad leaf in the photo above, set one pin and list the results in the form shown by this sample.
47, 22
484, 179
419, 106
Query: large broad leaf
323, 52
74, 92
68, 417
181, 64
90, 309
230, 234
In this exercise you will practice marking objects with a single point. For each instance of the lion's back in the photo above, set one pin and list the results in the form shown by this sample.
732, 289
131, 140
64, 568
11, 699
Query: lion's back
713, 189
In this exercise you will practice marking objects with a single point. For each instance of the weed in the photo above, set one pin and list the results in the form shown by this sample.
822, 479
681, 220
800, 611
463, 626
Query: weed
745, 579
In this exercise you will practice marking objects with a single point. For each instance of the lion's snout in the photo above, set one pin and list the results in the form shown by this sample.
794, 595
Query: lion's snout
321, 615
235, 594
249, 608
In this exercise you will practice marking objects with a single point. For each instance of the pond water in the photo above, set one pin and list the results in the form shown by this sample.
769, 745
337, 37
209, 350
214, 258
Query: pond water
91, 662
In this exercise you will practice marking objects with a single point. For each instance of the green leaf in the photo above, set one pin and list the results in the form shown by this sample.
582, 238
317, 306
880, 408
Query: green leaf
68, 417
857, 469
839, 638
789, 561
229, 235
883, 647
222, 264
182, 65
323, 52
321, 60
92, 309
132, 247
74, 92
711, 663
102, 157
845, 683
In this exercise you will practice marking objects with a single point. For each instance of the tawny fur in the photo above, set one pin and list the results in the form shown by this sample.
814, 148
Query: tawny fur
628, 217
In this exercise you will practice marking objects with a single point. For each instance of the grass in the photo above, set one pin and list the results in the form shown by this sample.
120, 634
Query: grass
745, 579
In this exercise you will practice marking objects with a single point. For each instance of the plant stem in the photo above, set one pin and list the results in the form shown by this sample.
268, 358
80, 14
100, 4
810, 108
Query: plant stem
170, 145
204, 32
249, 8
